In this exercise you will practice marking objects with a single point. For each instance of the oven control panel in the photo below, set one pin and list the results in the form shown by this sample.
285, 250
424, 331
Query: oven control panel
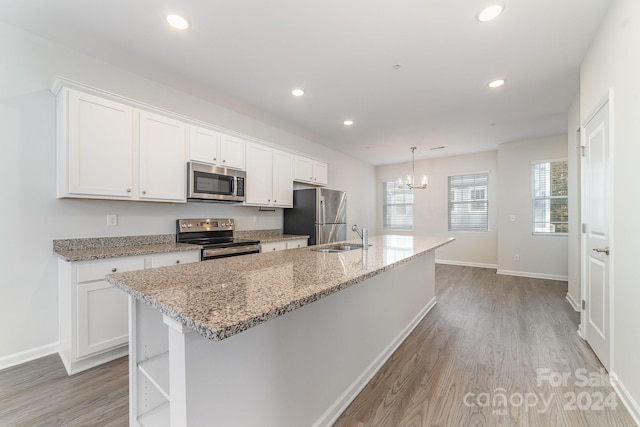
204, 224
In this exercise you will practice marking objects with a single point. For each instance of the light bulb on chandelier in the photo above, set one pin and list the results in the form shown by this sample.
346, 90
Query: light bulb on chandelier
410, 181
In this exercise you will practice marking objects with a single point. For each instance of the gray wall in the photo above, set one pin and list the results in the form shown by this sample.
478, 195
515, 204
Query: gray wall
32, 215
540, 255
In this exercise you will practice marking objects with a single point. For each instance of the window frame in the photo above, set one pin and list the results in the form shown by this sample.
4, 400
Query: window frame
386, 225
534, 198
471, 202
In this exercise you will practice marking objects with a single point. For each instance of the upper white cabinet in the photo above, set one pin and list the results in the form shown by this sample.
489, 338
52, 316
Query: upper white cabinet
232, 152
204, 145
101, 156
96, 147
163, 146
310, 171
209, 146
269, 176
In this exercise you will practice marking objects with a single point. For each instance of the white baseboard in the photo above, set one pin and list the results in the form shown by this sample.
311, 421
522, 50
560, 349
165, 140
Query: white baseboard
629, 402
573, 302
466, 264
340, 405
28, 355
534, 275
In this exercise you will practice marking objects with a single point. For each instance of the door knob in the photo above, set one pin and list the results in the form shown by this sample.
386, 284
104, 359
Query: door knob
605, 250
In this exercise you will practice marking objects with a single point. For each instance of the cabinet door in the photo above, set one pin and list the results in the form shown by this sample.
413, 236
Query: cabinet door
299, 243
101, 146
272, 247
282, 179
174, 258
259, 185
231, 152
203, 145
303, 169
162, 158
320, 173
103, 319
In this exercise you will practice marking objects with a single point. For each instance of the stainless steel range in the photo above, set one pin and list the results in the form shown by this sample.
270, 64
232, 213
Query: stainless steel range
215, 236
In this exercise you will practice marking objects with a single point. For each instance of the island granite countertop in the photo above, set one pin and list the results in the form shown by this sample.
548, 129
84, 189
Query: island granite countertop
222, 297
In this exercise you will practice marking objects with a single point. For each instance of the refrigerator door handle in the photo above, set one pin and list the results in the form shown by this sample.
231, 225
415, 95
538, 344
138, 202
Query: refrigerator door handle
323, 212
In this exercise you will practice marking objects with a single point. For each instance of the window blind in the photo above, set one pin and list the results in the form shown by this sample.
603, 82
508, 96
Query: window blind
397, 206
469, 202
550, 202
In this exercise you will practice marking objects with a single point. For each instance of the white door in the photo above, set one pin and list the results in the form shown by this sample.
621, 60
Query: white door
596, 254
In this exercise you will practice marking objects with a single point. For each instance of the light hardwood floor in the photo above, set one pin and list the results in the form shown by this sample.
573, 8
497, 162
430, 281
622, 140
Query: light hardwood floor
485, 340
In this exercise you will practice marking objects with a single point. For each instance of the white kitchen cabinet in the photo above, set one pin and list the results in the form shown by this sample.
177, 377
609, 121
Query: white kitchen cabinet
96, 147
101, 156
163, 146
209, 146
93, 315
273, 246
173, 258
204, 145
310, 171
269, 176
298, 243
232, 152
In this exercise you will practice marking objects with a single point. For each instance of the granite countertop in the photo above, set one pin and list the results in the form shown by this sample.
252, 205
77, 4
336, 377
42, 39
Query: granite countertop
267, 236
87, 249
222, 297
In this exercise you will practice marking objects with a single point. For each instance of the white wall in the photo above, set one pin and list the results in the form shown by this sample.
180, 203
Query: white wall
573, 240
431, 206
540, 256
613, 62
32, 216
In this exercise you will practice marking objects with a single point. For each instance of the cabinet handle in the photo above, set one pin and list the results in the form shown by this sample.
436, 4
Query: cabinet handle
275, 201
224, 161
273, 249
144, 191
178, 262
214, 159
128, 190
113, 270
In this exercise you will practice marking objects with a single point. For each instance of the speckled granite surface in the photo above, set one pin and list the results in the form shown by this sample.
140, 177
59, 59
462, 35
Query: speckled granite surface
267, 236
220, 298
109, 247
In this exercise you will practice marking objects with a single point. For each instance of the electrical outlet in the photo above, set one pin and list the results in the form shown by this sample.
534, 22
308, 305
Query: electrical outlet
112, 220
516, 257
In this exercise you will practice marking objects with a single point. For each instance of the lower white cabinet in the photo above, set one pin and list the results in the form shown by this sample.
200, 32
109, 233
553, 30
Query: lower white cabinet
93, 315
283, 244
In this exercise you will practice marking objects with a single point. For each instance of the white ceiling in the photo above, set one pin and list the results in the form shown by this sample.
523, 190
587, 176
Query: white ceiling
248, 54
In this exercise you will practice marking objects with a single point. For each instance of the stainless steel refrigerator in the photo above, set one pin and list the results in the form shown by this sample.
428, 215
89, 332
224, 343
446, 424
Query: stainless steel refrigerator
319, 213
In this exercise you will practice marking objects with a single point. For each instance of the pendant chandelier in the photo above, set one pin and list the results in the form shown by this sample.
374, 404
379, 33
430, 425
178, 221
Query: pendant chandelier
410, 180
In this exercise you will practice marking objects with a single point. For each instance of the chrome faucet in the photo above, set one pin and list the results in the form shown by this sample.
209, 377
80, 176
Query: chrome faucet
363, 233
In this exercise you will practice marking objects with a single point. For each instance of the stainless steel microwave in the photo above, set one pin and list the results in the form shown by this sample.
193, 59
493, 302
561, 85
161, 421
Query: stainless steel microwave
214, 184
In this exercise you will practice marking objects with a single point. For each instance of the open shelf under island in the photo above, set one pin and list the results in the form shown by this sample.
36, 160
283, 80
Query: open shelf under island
285, 338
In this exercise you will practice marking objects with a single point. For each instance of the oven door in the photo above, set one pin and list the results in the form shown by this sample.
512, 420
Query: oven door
208, 182
214, 253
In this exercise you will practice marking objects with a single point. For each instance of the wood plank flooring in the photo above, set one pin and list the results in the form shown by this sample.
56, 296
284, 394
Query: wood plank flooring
39, 393
484, 341
495, 351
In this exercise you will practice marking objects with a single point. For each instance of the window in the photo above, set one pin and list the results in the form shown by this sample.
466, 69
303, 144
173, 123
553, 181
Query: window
397, 206
469, 202
550, 197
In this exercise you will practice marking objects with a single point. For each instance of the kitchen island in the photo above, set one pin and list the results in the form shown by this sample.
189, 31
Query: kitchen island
276, 339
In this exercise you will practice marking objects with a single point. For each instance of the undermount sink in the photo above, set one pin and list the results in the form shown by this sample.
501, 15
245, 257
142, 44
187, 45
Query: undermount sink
339, 247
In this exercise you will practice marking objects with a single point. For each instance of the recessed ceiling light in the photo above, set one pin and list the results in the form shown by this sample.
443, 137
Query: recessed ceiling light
178, 22
496, 83
348, 122
297, 92
491, 12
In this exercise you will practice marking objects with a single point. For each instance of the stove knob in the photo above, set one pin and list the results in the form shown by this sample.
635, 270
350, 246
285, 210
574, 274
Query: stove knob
189, 225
